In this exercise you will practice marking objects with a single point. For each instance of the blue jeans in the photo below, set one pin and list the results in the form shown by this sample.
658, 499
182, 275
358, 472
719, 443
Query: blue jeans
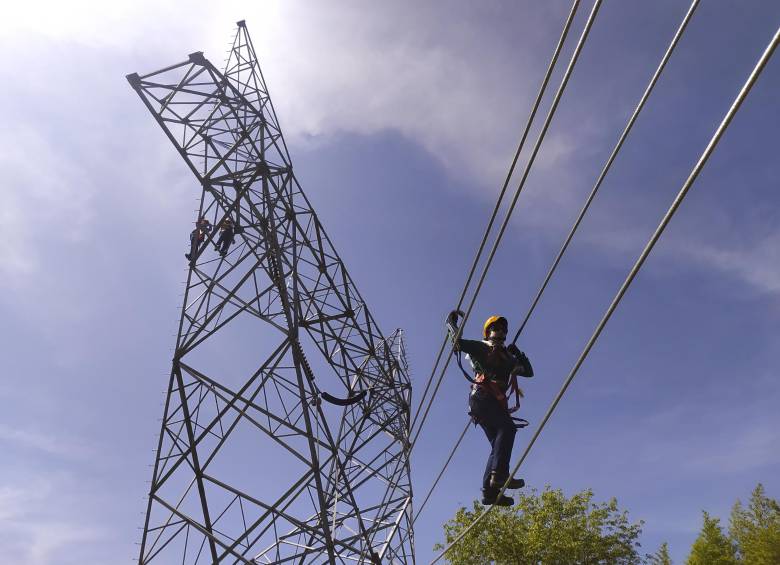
500, 430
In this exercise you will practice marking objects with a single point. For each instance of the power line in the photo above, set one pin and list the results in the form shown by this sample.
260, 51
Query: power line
589, 200
605, 169
635, 269
489, 227
441, 473
537, 145
608, 164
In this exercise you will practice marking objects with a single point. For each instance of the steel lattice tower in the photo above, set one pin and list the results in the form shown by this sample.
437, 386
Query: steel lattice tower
285, 431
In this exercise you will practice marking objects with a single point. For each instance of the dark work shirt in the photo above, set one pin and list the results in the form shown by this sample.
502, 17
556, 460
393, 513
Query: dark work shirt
496, 362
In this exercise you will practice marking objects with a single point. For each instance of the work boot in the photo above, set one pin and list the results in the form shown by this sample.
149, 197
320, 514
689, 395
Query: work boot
497, 482
490, 496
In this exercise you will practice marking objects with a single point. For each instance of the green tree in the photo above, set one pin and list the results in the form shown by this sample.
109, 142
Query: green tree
756, 529
660, 557
712, 547
545, 527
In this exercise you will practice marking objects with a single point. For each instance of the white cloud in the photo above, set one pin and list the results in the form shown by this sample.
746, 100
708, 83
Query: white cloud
750, 447
446, 83
757, 264
726, 434
754, 261
117, 25
454, 85
48, 196
33, 532
48, 443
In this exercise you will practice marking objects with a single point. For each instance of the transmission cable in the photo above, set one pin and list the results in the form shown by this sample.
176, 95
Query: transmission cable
615, 151
535, 151
634, 270
441, 473
629, 125
489, 227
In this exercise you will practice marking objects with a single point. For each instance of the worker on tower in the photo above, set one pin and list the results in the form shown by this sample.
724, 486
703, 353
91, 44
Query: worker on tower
198, 235
496, 369
226, 237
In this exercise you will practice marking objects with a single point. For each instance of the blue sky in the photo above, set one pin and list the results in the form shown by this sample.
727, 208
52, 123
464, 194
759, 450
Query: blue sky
401, 121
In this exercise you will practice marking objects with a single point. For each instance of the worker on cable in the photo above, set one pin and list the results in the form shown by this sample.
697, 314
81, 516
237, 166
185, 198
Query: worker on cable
496, 369
226, 237
198, 235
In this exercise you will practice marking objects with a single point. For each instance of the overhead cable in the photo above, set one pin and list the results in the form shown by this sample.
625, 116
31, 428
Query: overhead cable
634, 270
489, 227
576, 224
608, 164
535, 151
441, 473
604, 171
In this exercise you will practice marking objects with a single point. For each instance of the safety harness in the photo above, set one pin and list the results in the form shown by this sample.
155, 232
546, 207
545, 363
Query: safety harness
483, 379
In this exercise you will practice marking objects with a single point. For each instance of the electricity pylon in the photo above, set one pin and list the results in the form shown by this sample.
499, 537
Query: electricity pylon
285, 431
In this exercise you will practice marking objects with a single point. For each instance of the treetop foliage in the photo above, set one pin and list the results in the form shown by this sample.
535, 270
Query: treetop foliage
660, 557
546, 527
549, 528
755, 530
712, 547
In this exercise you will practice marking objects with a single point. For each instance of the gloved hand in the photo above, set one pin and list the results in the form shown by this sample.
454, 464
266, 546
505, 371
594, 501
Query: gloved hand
452, 326
525, 369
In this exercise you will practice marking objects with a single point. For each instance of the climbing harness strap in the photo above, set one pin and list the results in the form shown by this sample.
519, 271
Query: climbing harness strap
483, 380
459, 358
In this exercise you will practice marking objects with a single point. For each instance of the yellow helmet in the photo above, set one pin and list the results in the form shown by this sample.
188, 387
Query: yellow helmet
490, 321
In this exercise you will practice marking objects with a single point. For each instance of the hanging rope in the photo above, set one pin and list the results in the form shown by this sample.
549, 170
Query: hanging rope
489, 227
634, 270
537, 145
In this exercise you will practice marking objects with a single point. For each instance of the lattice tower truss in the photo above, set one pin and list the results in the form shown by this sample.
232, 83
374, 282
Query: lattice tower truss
285, 431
